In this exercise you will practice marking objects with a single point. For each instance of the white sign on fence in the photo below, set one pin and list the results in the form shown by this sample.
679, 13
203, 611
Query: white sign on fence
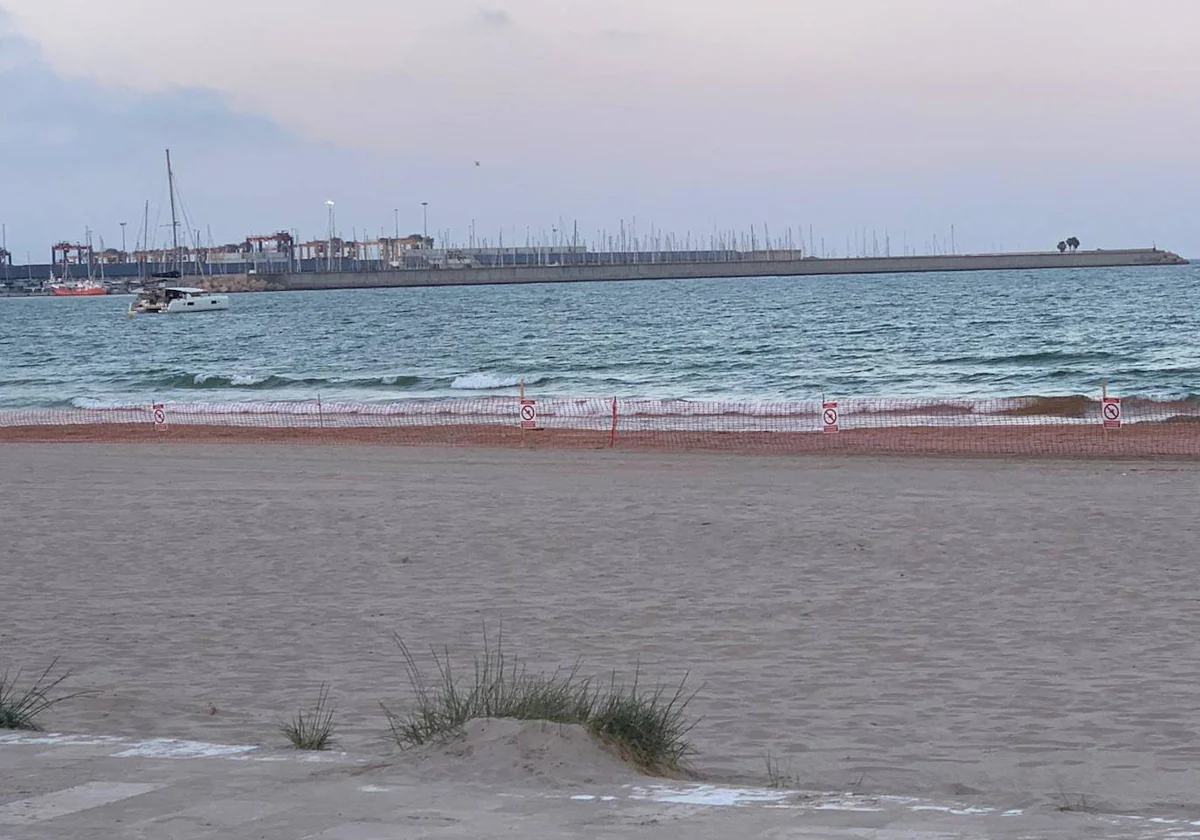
529, 414
830, 419
1111, 412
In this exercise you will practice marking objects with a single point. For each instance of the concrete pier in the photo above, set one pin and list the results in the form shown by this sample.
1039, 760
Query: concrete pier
1146, 257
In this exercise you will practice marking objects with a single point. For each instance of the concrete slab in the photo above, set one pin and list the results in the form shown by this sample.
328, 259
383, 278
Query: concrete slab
117, 791
69, 801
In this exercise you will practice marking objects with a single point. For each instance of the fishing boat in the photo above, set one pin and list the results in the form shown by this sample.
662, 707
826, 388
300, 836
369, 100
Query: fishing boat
157, 298
82, 288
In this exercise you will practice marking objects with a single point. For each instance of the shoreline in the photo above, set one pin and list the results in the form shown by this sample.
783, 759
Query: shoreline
1149, 440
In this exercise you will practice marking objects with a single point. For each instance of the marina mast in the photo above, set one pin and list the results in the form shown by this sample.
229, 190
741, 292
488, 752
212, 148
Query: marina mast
174, 221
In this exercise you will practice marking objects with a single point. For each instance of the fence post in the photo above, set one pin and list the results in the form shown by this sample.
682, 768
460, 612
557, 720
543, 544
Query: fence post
1103, 400
612, 440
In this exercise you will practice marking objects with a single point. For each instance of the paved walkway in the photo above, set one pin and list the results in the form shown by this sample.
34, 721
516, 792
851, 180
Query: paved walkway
62, 786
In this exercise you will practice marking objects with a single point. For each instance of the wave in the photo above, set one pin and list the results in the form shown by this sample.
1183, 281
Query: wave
97, 404
492, 382
1076, 406
266, 382
1037, 358
6, 383
208, 381
723, 414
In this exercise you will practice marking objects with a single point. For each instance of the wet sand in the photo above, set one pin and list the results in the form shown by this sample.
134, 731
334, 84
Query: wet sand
1176, 439
1006, 632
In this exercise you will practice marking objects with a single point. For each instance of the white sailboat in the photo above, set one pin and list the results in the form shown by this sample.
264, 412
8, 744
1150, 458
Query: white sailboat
156, 298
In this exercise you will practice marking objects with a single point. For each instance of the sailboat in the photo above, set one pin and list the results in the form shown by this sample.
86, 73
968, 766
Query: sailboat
156, 298
77, 288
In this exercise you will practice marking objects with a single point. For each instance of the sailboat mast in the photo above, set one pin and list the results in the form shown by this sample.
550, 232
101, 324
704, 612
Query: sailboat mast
174, 222
145, 239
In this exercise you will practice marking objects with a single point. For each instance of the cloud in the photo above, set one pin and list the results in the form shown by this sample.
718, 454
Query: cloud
687, 112
495, 18
74, 154
617, 34
51, 117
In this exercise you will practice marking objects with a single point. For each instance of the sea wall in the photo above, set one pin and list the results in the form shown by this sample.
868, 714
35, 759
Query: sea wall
238, 283
765, 268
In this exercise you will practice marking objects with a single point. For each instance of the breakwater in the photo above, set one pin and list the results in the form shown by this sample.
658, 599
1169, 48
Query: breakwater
1132, 258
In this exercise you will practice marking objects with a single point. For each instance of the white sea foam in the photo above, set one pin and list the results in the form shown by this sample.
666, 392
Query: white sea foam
633, 413
102, 405
485, 382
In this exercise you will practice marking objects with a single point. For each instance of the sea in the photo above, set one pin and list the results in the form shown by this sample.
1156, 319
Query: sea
943, 336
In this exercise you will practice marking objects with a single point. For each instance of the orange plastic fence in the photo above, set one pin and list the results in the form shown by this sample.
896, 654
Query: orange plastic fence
1031, 426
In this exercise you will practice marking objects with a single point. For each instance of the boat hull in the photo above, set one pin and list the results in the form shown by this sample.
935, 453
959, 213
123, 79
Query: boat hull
81, 291
205, 303
183, 306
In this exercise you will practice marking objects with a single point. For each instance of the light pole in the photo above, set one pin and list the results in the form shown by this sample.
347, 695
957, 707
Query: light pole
425, 222
329, 249
394, 249
123, 241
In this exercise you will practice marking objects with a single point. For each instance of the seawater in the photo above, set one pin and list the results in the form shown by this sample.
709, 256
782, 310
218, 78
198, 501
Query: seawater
930, 336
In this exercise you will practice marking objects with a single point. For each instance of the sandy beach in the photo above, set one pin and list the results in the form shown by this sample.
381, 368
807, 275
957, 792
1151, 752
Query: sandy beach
1166, 440
1000, 632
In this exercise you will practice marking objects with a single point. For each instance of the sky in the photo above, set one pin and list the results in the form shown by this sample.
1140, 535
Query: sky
1017, 123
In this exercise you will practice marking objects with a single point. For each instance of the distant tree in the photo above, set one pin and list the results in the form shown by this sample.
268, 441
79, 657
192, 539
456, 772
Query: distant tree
1062, 247
1073, 243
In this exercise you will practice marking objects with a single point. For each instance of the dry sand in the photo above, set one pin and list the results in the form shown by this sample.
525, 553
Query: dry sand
1001, 632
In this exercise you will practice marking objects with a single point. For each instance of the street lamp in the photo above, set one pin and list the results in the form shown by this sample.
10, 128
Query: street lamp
425, 222
329, 250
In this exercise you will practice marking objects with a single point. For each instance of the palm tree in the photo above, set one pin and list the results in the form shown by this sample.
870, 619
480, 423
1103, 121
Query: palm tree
1062, 247
1073, 243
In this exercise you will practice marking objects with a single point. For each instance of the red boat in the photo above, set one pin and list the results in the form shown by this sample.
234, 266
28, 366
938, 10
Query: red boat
86, 288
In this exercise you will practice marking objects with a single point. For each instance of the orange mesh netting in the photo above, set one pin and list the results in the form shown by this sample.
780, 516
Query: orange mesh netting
1031, 426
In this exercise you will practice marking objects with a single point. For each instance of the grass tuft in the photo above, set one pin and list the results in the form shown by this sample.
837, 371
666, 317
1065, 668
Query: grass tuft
1074, 803
312, 729
649, 728
20, 706
780, 776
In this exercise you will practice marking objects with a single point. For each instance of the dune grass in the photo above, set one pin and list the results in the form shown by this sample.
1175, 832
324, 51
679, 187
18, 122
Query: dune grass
19, 707
779, 775
1074, 802
648, 728
312, 728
